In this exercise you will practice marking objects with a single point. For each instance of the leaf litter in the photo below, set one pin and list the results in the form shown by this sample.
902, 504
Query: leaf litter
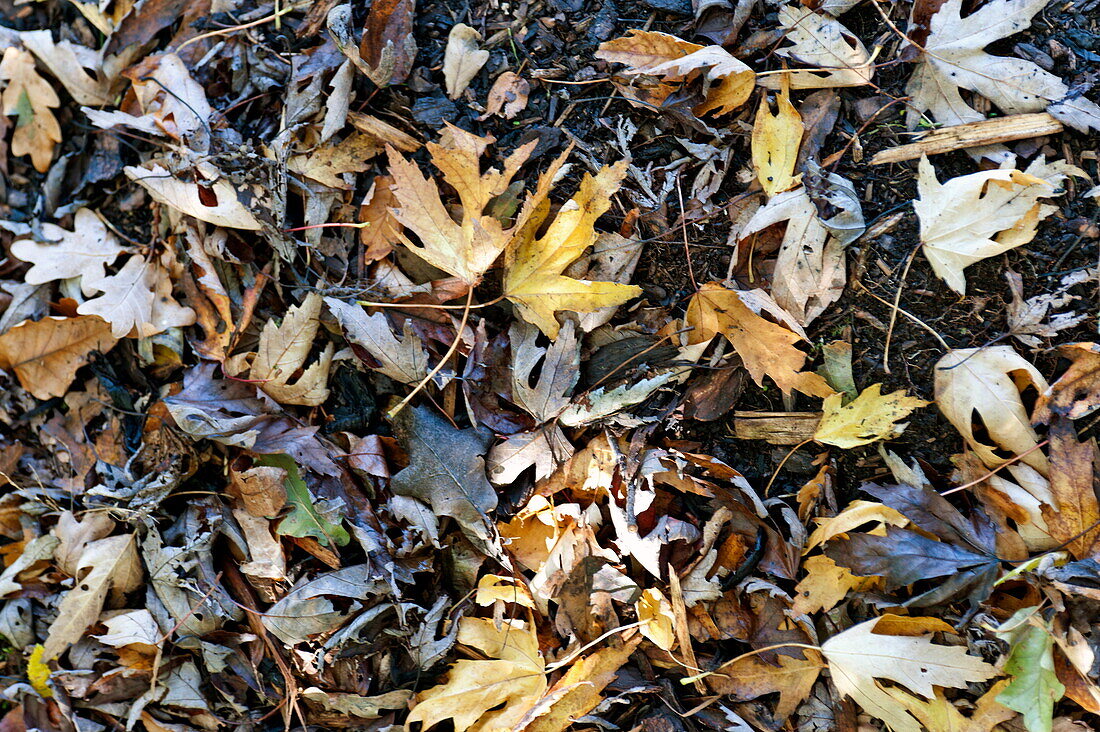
546, 367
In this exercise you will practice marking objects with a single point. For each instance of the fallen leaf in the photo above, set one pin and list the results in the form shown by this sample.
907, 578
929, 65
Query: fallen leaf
64, 61
730, 82
512, 674
447, 471
492, 588
985, 384
283, 351
1034, 688
855, 515
382, 230
307, 611
859, 656
45, 354
402, 359
543, 449
775, 142
818, 39
960, 218
533, 278
105, 565
1034, 318
766, 348
356, 705
462, 59
336, 162
558, 370
388, 45
30, 98
655, 612
137, 300
508, 96
308, 516
953, 58
826, 583
751, 677
870, 417
941, 715
1076, 393
38, 672
1073, 520
466, 249
82, 252
189, 198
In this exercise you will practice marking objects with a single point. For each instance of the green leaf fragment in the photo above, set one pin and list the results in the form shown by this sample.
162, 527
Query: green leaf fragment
1034, 688
308, 517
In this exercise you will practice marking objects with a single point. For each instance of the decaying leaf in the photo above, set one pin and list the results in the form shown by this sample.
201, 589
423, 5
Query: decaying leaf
1034, 687
82, 252
750, 677
388, 46
820, 40
775, 142
869, 417
447, 471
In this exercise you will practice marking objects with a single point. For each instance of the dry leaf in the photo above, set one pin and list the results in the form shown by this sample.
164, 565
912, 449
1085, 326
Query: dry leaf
82, 252
215, 202
775, 142
462, 59
508, 96
388, 45
1073, 515
382, 230
402, 359
30, 98
284, 349
869, 417
826, 583
859, 656
514, 675
856, 514
655, 611
64, 61
533, 278
960, 218
1076, 393
766, 348
329, 163
730, 82
984, 385
45, 354
466, 249
953, 58
941, 715
820, 40
137, 300
105, 565
750, 677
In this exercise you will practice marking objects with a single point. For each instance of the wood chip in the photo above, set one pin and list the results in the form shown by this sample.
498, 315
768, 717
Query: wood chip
960, 137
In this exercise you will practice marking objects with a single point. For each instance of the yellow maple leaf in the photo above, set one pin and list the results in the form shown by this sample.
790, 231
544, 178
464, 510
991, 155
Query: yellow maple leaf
766, 348
533, 278
775, 142
466, 248
869, 417
30, 97
655, 612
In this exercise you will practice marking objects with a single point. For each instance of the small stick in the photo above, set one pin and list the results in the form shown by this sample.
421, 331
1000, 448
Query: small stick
973, 134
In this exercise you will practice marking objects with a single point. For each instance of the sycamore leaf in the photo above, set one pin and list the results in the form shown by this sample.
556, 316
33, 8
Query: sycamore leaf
750, 677
869, 417
558, 368
447, 471
826, 583
775, 142
283, 351
544, 449
1072, 513
533, 278
953, 58
985, 385
818, 39
465, 249
513, 674
973, 217
859, 656
212, 199
30, 97
462, 59
45, 354
107, 564
82, 252
401, 358
766, 348
1034, 687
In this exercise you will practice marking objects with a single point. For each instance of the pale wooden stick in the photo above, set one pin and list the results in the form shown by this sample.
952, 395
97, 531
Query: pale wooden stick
959, 137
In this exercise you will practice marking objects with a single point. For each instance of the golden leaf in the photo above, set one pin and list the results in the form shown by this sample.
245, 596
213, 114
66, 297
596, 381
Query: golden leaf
45, 354
30, 97
869, 417
775, 142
